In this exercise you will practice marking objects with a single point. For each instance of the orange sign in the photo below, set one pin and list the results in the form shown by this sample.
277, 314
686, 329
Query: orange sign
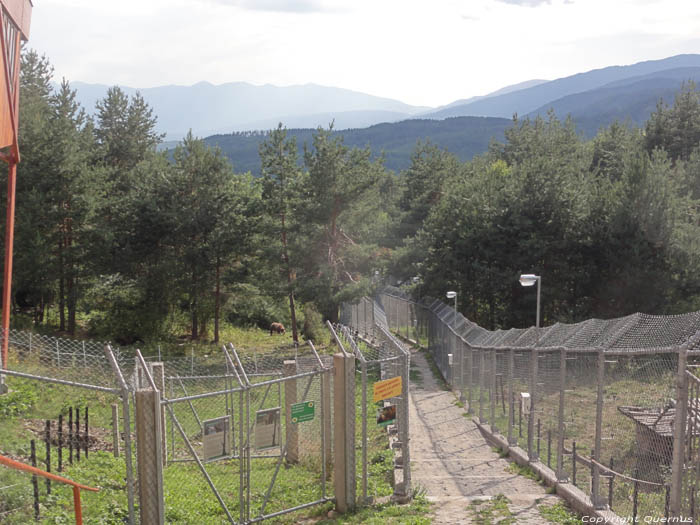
387, 388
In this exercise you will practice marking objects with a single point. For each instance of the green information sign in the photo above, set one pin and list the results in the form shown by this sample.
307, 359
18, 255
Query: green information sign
303, 411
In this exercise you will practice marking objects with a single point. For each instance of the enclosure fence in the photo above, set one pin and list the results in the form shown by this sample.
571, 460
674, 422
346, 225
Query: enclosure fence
611, 406
242, 437
380, 356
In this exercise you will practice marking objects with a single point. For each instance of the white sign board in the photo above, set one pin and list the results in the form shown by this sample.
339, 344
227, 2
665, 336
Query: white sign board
217, 440
267, 428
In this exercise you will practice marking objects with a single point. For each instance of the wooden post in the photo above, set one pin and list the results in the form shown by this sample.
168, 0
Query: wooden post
77, 433
35, 481
326, 396
115, 429
595, 453
344, 440
290, 397
70, 435
47, 438
150, 464
679, 429
86, 437
60, 442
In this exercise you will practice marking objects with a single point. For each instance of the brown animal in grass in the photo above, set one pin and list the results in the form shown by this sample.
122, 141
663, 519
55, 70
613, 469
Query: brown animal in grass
277, 328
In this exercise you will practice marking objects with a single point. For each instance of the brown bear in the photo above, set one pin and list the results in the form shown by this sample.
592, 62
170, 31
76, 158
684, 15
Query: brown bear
277, 328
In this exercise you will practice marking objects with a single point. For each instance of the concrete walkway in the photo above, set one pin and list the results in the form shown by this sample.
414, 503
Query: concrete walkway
452, 461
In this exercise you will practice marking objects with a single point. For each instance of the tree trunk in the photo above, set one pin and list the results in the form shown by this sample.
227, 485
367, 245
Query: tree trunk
290, 282
194, 328
70, 278
217, 300
61, 288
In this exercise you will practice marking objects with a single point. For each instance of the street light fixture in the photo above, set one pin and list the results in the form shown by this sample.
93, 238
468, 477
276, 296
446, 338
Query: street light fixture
453, 295
529, 279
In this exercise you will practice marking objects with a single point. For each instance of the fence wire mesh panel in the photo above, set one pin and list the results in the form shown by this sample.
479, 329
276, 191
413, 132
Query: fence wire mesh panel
381, 357
691, 448
607, 405
67, 412
255, 433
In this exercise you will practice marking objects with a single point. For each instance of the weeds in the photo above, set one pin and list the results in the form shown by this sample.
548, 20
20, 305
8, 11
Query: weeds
559, 513
492, 511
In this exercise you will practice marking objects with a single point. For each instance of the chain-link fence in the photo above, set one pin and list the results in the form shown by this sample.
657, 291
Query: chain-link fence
610, 406
240, 437
379, 357
67, 402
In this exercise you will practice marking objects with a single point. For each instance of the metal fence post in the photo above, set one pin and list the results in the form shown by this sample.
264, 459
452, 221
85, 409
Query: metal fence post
492, 388
115, 429
511, 397
158, 370
481, 385
560, 418
290, 397
127, 434
459, 349
470, 368
679, 430
531, 451
595, 470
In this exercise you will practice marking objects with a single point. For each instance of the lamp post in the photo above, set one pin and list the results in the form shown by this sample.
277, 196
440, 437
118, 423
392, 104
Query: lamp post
529, 279
453, 295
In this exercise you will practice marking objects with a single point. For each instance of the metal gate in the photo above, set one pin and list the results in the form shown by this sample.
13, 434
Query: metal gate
256, 430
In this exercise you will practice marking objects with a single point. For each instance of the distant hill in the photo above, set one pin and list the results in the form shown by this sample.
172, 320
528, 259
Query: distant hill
465, 137
528, 100
631, 100
502, 91
208, 109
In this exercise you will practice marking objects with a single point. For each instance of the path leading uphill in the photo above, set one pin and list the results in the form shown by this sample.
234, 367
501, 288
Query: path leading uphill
455, 465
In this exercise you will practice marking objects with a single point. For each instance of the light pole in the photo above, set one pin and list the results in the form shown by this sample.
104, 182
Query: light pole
453, 295
529, 279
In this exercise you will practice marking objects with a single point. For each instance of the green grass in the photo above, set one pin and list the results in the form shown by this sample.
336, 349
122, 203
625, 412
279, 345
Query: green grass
492, 511
559, 513
524, 471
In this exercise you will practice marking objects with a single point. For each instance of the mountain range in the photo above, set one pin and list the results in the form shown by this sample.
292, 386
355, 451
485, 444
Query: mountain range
225, 113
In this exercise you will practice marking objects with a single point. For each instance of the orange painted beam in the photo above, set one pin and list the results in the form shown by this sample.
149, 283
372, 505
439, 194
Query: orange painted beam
18, 465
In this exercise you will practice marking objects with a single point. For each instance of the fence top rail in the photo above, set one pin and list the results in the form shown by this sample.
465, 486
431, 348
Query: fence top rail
636, 333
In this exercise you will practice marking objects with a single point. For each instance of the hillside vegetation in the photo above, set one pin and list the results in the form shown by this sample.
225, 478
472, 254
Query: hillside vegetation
118, 241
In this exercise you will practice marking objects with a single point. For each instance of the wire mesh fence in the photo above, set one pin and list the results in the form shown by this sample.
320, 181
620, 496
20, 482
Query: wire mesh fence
241, 437
379, 357
608, 405
59, 415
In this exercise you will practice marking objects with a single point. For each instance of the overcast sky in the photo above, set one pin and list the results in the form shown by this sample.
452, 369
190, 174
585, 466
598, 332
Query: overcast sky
427, 52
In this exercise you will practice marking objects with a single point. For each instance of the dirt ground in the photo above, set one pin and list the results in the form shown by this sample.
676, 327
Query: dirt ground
455, 465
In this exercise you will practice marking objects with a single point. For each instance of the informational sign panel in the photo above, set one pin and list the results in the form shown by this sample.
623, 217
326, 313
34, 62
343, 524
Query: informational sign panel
267, 428
387, 389
217, 440
303, 411
386, 415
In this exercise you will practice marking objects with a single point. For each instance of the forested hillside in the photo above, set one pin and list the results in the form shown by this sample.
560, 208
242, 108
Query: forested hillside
393, 142
117, 240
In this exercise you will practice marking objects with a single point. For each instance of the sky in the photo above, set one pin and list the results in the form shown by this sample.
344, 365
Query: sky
422, 52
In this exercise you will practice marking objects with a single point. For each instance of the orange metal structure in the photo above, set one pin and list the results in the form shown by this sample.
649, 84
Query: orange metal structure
15, 18
38, 472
